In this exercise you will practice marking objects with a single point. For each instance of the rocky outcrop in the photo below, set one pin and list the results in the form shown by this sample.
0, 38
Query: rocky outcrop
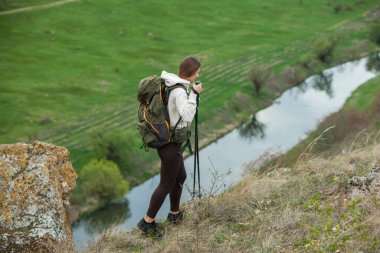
366, 186
36, 181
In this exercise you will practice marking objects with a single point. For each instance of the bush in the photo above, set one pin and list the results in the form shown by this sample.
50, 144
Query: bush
121, 147
293, 75
375, 33
309, 63
103, 180
324, 48
338, 8
258, 76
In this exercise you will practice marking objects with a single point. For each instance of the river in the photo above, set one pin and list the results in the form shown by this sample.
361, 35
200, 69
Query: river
274, 129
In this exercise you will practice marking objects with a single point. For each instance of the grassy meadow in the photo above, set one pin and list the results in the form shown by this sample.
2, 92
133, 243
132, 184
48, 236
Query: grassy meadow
69, 73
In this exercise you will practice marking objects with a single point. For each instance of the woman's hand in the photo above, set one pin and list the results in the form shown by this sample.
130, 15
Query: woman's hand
197, 88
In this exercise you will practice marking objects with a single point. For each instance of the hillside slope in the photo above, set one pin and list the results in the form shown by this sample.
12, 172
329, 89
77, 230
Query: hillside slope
314, 206
322, 202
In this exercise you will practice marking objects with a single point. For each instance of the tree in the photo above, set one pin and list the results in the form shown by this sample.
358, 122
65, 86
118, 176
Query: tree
375, 32
118, 145
102, 179
258, 76
2, 4
324, 48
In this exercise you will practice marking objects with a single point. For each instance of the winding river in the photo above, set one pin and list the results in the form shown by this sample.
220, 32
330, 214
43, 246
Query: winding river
223, 163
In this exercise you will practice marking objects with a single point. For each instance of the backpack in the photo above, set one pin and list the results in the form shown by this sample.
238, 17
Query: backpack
153, 116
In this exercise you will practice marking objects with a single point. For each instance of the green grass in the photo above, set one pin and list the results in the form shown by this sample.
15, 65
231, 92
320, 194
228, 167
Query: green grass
70, 72
7, 5
363, 98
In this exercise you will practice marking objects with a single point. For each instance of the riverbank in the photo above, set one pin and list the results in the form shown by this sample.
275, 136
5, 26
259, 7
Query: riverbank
314, 204
218, 134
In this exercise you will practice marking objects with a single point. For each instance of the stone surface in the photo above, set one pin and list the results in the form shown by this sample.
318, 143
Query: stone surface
36, 181
366, 186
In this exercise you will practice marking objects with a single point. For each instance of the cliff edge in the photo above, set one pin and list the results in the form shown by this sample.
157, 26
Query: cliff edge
36, 181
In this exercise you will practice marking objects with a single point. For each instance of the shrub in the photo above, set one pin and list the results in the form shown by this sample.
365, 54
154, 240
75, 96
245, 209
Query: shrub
293, 75
258, 76
309, 64
324, 48
103, 180
338, 8
119, 146
375, 32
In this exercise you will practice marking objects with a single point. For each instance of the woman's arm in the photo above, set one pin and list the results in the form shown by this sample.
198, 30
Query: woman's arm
186, 106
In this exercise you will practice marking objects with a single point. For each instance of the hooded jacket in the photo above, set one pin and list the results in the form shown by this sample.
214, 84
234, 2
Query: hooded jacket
180, 103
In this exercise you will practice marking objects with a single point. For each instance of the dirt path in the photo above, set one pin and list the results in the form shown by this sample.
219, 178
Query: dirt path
37, 7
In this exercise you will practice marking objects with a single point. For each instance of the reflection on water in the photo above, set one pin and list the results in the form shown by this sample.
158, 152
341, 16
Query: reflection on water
320, 82
252, 129
373, 63
109, 216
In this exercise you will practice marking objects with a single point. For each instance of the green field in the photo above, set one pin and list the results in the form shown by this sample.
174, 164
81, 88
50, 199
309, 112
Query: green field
364, 97
69, 73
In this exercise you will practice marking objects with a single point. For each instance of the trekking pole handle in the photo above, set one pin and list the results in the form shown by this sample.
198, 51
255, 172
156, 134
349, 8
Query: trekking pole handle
197, 87
197, 83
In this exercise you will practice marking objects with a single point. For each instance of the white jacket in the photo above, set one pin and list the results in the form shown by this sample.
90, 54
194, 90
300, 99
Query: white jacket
180, 103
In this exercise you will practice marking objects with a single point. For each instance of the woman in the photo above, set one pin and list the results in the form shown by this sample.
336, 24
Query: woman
181, 107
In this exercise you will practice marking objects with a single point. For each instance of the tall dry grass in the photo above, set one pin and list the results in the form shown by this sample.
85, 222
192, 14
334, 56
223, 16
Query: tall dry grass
274, 210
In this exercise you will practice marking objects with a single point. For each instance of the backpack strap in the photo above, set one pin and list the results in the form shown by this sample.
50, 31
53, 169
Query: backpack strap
175, 127
175, 86
166, 114
166, 101
185, 146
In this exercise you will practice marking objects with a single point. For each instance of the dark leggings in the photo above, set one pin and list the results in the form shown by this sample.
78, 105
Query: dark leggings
172, 177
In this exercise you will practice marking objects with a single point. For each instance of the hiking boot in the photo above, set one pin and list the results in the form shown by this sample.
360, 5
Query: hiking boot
150, 229
175, 218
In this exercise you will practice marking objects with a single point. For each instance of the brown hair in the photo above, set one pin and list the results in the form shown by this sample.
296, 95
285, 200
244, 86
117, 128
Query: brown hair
189, 66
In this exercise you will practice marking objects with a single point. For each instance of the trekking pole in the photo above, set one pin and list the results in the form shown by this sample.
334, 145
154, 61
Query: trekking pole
196, 153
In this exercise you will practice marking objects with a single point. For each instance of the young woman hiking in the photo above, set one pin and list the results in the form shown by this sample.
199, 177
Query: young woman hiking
181, 107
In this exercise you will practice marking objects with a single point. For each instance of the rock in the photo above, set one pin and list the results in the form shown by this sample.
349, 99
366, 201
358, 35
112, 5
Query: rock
36, 181
278, 172
366, 186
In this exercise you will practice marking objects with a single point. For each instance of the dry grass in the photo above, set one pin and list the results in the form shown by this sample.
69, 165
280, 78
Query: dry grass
272, 211
304, 207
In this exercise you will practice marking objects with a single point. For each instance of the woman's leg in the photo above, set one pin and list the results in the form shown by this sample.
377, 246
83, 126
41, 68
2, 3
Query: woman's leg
170, 161
175, 193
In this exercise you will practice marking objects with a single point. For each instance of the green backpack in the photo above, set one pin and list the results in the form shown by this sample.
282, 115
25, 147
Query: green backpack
154, 122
